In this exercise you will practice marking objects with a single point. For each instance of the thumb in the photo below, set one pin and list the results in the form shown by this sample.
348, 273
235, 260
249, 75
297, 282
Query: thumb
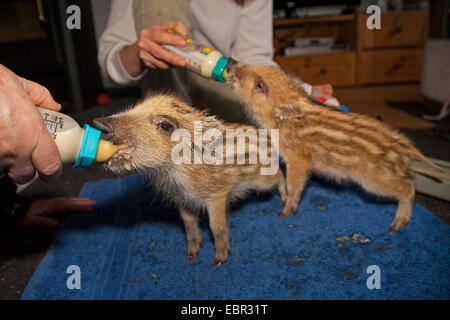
178, 26
45, 157
39, 95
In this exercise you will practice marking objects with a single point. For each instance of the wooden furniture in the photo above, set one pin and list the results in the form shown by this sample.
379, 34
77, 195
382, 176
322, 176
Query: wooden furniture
390, 54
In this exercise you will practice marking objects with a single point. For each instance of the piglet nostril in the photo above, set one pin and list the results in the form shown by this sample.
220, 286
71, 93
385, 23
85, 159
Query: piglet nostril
105, 125
230, 63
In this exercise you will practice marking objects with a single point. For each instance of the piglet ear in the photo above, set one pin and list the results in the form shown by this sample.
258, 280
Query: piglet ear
288, 111
209, 128
212, 122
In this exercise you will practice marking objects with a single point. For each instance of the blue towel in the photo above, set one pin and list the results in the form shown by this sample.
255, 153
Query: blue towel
133, 247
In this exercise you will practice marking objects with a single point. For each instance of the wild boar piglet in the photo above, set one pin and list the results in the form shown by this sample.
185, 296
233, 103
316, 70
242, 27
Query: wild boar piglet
313, 137
189, 157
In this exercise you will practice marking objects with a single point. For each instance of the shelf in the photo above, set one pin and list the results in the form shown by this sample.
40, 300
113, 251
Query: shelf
325, 19
390, 54
337, 68
315, 54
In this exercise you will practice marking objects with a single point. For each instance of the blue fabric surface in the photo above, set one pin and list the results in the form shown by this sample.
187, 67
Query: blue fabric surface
133, 247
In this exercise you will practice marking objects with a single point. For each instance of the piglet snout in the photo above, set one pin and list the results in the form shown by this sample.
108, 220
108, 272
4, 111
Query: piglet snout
105, 125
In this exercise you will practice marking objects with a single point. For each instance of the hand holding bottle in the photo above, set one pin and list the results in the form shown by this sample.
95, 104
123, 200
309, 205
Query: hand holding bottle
148, 52
25, 144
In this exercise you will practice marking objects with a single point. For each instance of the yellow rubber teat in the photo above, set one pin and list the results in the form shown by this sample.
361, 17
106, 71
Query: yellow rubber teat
106, 149
225, 74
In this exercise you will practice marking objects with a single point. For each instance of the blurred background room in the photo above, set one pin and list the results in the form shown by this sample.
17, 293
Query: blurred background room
399, 74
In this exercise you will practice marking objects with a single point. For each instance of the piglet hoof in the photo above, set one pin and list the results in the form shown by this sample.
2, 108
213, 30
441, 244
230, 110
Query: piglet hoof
397, 224
218, 263
286, 212
221, 258
193, 250
192, 256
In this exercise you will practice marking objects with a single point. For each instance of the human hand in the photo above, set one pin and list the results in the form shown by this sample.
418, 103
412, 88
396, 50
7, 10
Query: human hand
150, 51
25, 144
38, 215
326, 89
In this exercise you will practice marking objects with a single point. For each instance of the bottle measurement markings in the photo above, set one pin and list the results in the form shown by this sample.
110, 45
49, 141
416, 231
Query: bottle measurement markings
53, 124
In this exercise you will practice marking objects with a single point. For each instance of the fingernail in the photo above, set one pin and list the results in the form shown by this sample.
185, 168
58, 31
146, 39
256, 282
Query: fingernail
53, 176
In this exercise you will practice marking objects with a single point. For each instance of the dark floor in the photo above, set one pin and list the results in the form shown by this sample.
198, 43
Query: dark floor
22, 251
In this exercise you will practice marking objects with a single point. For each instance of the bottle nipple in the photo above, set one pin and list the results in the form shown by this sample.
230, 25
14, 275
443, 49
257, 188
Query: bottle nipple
225, 74
106, 149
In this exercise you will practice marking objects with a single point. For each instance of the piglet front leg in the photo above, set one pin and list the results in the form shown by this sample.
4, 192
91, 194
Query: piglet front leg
193, 235
219, 229
297, 170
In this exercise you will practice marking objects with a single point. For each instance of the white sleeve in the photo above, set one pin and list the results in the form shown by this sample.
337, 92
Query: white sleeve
254, 38
119, 32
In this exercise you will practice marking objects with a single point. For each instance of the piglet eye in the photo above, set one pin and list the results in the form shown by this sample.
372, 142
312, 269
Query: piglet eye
260, 86
165, 126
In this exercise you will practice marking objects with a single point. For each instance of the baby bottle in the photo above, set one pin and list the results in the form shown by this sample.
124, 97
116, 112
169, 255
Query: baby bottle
206, 61
80, 146
319, 96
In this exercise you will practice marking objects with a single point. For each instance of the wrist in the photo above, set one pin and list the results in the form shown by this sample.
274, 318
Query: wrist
129, 58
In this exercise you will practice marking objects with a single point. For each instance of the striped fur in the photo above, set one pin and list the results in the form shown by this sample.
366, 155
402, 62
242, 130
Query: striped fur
192, 188
313, 137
